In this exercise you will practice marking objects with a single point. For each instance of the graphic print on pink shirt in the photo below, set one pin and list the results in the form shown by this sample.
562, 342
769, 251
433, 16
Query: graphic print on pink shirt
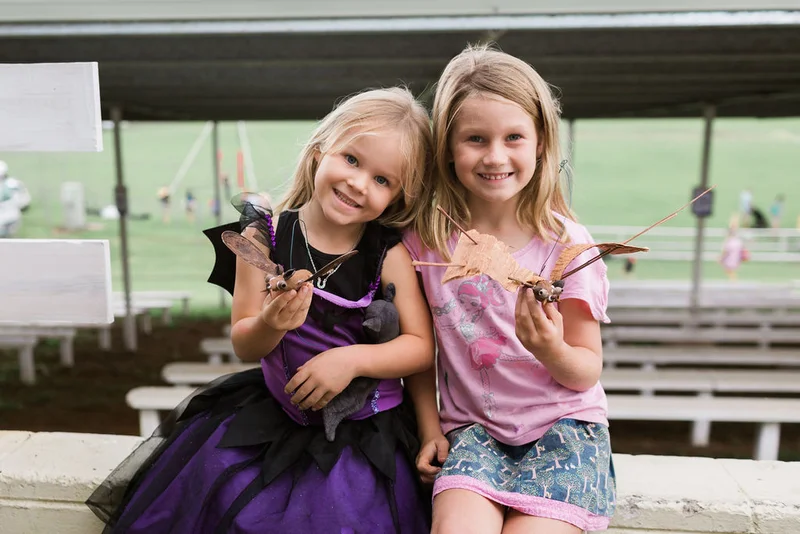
486, 346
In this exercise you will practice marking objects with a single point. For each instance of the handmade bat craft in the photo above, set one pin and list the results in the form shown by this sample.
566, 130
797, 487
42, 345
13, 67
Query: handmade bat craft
477, 253
252, 245
276, 278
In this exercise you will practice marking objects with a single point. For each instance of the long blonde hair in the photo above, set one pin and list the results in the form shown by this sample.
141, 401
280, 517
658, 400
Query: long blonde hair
392, 109
483, 70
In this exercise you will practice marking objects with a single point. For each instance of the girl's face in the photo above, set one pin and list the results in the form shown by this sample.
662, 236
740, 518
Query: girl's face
494, 145
357, 182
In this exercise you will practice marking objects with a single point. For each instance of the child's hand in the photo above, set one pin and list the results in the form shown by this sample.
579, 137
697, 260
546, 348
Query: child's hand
540, 327
287, 310
320, 379
431, 457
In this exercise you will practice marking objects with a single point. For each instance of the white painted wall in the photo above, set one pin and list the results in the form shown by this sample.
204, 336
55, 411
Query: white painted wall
128, 10
55, 282
50, 107
45, 478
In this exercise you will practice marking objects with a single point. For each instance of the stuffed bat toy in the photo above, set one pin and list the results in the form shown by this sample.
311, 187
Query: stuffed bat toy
381, 324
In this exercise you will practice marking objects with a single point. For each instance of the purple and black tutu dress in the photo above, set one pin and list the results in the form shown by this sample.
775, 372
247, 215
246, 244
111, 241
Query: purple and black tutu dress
238, 457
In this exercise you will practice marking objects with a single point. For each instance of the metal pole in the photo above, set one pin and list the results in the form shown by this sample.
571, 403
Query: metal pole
121, 197
697, 270
217, 195
571, 141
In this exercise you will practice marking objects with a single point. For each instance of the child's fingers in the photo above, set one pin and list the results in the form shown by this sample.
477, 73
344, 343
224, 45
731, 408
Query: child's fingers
538, 316
324, 401
442, 450
551, 311
312, 399
520, 298
297, 380
522, 312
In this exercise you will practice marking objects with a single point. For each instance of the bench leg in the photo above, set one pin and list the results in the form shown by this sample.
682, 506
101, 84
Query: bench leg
27, 368
166, 316
67, 353
104, 337
129, 332
701, 428
185, 303
147, 323
148, 422
769, 439
215, 358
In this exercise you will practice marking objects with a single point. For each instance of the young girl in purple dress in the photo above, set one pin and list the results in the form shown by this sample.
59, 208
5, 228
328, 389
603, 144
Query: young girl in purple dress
248, 453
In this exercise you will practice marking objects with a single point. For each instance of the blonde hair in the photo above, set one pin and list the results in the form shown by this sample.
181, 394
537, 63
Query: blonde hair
393, 109
483, 70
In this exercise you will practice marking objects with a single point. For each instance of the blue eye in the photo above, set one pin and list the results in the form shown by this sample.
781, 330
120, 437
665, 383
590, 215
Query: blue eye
514, 137
352, 160
382, 180
475, 139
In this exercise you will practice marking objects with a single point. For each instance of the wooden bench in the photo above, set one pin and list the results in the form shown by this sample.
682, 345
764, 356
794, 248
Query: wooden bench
219, 349
767, 413
197, 373
163, 306
172, 296
649, 357
128, 330
48, 287
22, 334
151, 400
704, 382
704, 317
762, 337
24, 344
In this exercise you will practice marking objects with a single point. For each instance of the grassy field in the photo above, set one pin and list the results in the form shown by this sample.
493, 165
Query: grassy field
628, 172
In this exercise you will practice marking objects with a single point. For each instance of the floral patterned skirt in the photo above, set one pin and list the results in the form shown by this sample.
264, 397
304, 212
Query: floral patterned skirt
567, 474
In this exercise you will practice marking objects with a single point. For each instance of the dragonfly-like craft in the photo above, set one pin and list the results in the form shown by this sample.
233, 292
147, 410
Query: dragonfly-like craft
478, 253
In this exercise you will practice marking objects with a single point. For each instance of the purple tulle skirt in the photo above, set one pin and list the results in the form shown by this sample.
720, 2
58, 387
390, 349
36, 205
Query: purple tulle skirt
229, 460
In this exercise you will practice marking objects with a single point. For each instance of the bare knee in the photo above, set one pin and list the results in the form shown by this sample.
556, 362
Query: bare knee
459, 511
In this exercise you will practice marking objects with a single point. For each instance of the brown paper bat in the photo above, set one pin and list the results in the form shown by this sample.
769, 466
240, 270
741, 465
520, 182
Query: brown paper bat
477, 253
252, 252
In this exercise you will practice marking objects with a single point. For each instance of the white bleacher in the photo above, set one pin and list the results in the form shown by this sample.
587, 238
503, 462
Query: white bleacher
703, 382
77, 294
719, 335
197, 373
174, 296
25, 339
218, 350
767, 413
650, 357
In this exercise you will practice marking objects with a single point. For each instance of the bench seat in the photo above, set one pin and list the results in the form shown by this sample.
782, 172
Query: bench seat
196, 373
767, 413
650, 357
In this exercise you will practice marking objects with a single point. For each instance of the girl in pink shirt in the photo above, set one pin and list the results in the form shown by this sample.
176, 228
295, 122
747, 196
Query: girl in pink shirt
521, 433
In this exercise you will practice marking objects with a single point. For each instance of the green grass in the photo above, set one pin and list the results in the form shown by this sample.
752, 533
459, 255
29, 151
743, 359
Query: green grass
627, 172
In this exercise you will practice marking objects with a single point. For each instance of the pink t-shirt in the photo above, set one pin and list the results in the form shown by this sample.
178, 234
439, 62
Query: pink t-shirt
485, 374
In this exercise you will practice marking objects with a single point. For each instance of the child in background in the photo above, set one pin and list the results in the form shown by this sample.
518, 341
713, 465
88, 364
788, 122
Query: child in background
733, 253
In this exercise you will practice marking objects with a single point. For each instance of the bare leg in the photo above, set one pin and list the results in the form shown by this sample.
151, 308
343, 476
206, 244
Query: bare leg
519, 523
458, 511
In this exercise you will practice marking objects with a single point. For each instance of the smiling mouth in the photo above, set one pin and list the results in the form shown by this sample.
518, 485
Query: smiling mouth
495, 175
345, 199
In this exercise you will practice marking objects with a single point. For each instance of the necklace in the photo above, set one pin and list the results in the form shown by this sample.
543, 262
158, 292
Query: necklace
322, 281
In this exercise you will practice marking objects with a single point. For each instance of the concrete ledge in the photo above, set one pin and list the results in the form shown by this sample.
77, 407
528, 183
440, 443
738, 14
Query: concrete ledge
45, 478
